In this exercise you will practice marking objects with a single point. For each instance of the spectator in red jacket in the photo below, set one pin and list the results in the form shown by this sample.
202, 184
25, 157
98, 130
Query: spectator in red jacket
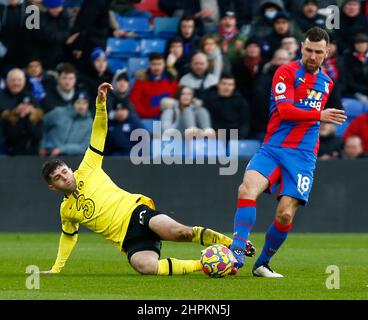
151, 85
359, 127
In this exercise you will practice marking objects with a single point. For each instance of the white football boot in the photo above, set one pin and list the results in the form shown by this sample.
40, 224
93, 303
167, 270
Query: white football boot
266, 272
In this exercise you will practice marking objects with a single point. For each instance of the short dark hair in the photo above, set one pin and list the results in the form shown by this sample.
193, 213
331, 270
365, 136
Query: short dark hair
317, 34
49, 167
228, 76
155, 56
187, 18
66, 68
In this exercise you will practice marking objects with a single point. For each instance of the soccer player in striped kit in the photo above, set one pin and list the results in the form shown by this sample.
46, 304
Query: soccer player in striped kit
287, 158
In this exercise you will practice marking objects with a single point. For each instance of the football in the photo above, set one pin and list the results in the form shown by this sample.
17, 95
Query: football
217, 261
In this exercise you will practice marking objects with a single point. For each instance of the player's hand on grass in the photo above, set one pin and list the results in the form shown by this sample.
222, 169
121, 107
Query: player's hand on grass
334, 116
102, 91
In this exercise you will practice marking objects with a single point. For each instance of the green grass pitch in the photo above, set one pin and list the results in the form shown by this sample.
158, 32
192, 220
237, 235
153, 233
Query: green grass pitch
96, 270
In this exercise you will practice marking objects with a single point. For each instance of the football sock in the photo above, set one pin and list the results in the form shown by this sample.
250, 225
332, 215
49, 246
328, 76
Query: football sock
275, 237
245, 218
172, 266
207, 237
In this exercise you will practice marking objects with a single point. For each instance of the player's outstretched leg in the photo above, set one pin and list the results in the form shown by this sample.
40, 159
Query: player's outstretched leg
169, 229
275, 237
245, 217
147, 262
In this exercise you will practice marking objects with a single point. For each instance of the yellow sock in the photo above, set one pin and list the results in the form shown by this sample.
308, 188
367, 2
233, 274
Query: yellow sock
207, 237
172, 266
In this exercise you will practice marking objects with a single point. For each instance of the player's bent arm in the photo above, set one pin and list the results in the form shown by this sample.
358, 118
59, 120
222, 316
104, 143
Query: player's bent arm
288, 112
66, 245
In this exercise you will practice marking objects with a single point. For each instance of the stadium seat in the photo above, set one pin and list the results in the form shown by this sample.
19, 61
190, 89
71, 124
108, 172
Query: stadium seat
148, 124
123, 48
152, 45
135, 64
246, 148
352, 107
138, 25
116, 64
165, 27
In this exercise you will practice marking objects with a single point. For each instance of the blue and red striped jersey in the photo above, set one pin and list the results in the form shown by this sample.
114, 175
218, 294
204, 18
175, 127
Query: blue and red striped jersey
295, 87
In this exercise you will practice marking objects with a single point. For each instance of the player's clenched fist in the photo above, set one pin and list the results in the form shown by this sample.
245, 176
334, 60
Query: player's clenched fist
102, 90
335, 116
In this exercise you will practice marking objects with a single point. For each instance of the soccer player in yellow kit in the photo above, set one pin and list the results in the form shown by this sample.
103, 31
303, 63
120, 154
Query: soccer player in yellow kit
130, 221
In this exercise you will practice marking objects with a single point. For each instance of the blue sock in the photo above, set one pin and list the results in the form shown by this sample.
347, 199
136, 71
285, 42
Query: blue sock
244, 220
275, 237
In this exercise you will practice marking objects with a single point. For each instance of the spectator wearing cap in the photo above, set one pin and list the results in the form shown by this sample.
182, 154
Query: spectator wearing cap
48, 42
247, 69
120, 94
121, 124
13, 35
98, 72
262, 24
62, 92
67, 130
232, 41
309, 17
352, 22
151, 85
282, 28
356, 62
38, 79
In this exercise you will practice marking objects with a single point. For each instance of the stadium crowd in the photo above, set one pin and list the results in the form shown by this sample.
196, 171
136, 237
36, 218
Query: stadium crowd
213, 72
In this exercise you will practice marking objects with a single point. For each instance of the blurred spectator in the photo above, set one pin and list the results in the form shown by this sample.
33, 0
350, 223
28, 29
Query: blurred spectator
98, 72
232, 41
188, 35
356, 62
218, 63
309, 17
296, 6
149, 8
353, 148
261, 102
62, 92
330, 146
200, 79
38, 79
184, 114
262, 24
228, 108
121, 125
176, 62
352, 22
358, 127
22, 128
334, 67
290, 44
13, 35
91, 29
151, 85
282, 28
247, 69
48, 42
67, 130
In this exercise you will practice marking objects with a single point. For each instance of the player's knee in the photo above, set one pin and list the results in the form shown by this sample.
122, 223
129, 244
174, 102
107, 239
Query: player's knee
285, 217
245, 192
145, 266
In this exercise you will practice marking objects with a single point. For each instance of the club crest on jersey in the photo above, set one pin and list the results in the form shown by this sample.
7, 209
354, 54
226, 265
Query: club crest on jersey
280, 87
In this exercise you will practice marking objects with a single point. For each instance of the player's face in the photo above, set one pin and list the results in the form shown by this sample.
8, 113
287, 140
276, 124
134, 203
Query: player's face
313, 54
62, 179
